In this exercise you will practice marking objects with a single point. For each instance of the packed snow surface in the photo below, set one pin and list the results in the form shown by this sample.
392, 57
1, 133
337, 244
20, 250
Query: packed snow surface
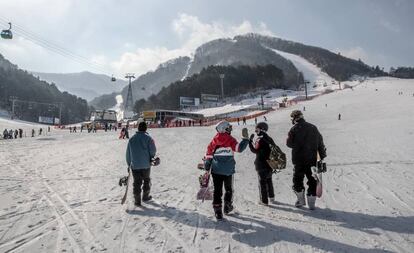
60, 193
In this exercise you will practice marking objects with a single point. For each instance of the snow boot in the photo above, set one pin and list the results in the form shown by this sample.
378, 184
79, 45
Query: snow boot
218, 212
263, 203
228, 207
311, 202
146, 198
301, 198
137, 199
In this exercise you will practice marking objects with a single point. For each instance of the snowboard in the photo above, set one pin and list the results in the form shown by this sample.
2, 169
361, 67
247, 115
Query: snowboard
318, 177
317, 174
126, 188
205, 192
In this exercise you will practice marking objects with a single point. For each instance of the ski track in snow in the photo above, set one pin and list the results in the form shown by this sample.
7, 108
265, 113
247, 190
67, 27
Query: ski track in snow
60, 193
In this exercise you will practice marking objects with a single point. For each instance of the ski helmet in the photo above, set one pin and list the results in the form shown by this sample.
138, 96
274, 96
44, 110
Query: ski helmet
296, 115
224, 127
262, 126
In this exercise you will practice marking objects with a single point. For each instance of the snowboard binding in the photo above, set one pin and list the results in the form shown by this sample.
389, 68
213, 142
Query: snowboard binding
155, 161
123, 181
320, 167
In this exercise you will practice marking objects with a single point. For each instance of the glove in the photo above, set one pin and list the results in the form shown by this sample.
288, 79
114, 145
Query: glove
251, 137
155, 161
207, 164
245, 133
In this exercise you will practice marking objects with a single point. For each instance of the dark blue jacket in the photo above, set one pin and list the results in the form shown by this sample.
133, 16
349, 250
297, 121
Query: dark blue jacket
141, 149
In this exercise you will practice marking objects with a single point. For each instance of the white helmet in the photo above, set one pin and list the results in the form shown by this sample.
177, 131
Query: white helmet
223, 127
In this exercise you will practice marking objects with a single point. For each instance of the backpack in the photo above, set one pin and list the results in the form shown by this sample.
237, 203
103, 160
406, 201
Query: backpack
277, 159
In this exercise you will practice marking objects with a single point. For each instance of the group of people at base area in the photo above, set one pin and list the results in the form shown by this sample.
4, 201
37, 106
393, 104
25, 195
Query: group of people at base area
18, 133
303, 138
10, 134
245, 120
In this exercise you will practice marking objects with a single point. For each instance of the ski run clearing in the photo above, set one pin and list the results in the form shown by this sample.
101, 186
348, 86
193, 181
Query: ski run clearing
60, 193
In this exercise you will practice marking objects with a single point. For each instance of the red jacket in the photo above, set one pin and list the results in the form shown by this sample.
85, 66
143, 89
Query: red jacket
220, 153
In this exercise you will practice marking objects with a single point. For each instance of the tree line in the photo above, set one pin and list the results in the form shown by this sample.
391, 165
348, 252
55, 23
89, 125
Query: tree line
237, 80
21, 85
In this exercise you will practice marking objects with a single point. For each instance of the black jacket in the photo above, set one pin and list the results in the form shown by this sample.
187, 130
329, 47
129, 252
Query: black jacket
262, 151
305, 141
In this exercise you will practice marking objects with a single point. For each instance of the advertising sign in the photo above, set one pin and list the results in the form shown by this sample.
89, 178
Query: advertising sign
46, 120
188, 101
209, 98
148, 114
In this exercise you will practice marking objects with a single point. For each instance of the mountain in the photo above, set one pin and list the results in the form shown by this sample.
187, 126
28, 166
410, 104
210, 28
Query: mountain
37, 98
334, 64
84, 84
239, 80
251, 50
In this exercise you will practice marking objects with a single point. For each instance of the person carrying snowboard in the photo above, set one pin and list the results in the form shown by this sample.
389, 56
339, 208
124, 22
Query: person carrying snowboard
262, 150
306, 142
140, 152
219, 159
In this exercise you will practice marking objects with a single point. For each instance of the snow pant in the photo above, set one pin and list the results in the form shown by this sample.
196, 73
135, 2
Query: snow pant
218, 181
141, 177
299, 173
266, 190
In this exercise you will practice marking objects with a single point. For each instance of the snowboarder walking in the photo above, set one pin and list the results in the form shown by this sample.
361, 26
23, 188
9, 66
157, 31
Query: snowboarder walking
219, 159
140, 151
306, 142
262, 150
244, 120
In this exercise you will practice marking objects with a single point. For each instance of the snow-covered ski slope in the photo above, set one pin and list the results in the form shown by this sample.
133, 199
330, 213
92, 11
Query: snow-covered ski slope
60, 194
311, 72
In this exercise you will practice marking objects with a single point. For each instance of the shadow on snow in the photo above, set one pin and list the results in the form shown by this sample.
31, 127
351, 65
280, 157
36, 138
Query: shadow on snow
255, 232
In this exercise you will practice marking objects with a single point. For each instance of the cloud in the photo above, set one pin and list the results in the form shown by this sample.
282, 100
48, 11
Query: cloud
389, 26
192, 33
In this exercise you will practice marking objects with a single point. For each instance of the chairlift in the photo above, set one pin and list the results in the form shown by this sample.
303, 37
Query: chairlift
113, 79
7, 33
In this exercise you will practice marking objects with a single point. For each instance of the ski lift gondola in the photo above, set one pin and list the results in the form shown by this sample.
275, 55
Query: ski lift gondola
113, 79
7, 34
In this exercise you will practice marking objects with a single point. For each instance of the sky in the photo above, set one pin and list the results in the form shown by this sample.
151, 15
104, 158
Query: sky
120, 36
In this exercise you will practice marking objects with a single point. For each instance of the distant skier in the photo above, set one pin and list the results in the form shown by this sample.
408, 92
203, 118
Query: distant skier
219, 159
33, 132
16, 132
264, 117
11, 134
262, 150
40, 131
255, 121
126, 131
140, 151
339, 116
5, 134
244, 120
20, 133
306, 142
